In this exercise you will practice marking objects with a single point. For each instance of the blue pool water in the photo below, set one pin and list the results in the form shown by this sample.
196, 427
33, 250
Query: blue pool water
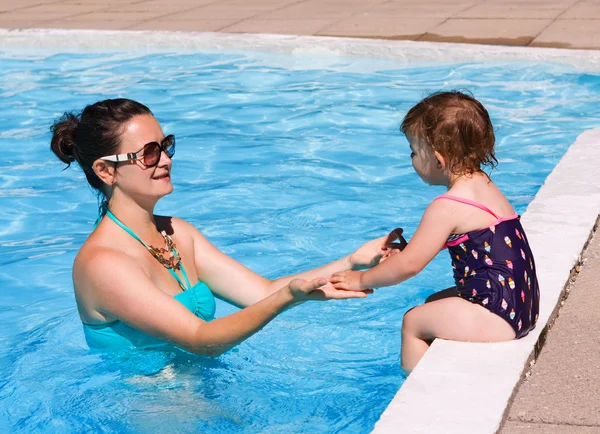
284, 162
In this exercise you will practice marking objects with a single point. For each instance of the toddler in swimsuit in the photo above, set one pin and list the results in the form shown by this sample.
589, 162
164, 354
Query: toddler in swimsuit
496, 297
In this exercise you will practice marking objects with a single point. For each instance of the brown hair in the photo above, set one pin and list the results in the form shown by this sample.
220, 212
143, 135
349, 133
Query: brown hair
457, 126
92, 134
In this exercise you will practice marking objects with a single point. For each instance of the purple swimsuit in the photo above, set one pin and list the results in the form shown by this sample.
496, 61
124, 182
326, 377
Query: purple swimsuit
494, 268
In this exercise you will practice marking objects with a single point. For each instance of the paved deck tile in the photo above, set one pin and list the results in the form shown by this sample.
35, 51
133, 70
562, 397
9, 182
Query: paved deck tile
365, 26
545, 23
281, 27
512, 427
563, 386
489, 31
570, 34
196, 25
585, 10
484, 11
426, 10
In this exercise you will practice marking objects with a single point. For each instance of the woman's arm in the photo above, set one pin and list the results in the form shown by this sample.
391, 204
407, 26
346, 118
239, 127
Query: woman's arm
366, 256
128, 294
241, 286
433, 231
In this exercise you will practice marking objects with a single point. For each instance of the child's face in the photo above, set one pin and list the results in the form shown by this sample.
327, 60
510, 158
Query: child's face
425, 162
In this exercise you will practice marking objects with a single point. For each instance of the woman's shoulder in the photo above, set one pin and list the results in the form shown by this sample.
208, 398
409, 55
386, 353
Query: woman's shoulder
96, 262
98, 250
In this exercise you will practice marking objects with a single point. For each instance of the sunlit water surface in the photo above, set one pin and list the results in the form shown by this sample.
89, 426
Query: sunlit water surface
284, 162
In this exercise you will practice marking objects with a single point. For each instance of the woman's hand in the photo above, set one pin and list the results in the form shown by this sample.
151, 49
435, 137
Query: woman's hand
369, 254
321, 289
394, 243
348, 281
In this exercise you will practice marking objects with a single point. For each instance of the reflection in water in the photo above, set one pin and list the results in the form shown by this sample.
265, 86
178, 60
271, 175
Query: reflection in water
284, 162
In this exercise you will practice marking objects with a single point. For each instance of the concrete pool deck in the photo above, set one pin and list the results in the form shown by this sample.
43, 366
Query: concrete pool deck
535, 23
566, 364
561, 393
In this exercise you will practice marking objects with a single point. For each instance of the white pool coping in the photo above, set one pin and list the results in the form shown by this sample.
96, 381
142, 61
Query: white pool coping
456, 387
317, 45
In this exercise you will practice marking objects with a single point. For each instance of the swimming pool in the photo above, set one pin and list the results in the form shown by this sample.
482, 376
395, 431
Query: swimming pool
284, 162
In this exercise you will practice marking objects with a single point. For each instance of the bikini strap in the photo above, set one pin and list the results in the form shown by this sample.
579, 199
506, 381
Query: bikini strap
179, 279
134, 235
125, 228
468, 202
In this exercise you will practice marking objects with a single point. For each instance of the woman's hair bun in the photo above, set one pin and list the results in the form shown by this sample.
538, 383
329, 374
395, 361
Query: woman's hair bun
63, 138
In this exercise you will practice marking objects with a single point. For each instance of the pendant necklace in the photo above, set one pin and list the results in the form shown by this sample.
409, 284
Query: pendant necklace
173, 260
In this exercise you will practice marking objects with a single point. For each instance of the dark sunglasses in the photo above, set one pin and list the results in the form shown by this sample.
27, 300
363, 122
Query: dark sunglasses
150, 152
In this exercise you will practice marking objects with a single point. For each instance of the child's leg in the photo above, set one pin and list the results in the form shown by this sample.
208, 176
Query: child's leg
450, 318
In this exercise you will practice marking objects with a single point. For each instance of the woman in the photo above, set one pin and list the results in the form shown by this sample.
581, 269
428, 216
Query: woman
142, 280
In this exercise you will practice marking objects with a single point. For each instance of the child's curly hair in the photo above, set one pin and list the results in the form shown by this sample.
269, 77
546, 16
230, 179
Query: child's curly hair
457, 126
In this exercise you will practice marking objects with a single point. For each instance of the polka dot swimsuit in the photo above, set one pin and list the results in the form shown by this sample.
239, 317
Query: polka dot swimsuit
494, 268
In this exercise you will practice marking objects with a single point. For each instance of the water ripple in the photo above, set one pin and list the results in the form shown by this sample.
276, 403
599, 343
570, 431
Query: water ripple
284, 162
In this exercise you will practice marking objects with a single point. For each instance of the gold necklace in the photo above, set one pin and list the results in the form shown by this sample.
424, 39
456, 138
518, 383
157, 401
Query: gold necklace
173, 260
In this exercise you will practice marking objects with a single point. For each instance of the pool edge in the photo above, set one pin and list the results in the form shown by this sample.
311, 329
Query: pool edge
314, 45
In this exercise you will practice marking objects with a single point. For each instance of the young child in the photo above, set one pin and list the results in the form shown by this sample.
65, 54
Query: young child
496, 297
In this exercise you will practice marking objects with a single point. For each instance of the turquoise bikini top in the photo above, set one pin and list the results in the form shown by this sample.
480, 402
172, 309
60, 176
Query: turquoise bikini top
118, 335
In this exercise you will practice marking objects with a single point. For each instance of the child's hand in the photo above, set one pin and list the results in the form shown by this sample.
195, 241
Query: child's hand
321, 289
347, 280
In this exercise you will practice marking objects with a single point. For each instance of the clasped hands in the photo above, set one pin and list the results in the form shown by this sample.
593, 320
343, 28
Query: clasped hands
389, 245
346, 284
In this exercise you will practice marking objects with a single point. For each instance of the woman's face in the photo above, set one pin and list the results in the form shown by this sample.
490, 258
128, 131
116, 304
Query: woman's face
133, 177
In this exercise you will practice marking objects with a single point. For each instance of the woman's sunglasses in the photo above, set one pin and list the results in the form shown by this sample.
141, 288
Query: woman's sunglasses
150, 152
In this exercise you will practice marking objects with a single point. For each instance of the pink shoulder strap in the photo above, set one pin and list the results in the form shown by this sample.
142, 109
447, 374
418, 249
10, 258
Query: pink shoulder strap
467, 202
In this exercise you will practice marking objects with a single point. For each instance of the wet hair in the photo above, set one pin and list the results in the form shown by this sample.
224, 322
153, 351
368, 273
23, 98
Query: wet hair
92, 134
457, 126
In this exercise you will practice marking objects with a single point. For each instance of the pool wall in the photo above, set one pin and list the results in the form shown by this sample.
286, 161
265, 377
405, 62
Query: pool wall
457, 387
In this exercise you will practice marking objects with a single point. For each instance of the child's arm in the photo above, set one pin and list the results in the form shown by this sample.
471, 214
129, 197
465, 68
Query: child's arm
436, 225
